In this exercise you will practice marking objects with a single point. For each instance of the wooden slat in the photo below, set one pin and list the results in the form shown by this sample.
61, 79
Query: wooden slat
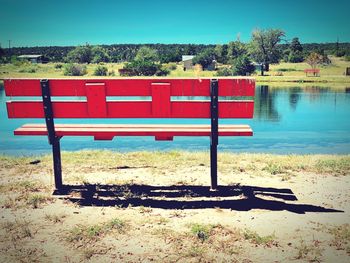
161, 106
109, 131
131, 109
131, 87
96, 100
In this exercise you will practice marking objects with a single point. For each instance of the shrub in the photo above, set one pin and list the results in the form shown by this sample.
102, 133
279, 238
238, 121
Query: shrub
205, 58
73, 69
99, 55
347, 58
224, 72
58, 66
170, 66
101, 71
241, 66
30, 69
143, 68
81, 54
295, 57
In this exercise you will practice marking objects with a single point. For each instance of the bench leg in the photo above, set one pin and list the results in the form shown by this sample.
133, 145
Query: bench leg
214, 165
56, 153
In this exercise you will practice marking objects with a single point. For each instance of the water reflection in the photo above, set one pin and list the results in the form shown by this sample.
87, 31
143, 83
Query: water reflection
265, 104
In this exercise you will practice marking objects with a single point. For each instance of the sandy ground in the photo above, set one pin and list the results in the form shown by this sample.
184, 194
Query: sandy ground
171, 216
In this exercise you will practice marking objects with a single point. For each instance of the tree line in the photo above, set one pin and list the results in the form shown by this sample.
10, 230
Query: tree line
167, 52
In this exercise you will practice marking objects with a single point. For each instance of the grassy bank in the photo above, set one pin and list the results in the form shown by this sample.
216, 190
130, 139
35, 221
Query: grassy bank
283, 72
156, 206
169, 162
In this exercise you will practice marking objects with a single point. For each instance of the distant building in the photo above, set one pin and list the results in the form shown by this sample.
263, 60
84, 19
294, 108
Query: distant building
34, 58
188, 62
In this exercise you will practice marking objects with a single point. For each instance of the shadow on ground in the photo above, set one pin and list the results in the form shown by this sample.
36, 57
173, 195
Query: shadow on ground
237, 197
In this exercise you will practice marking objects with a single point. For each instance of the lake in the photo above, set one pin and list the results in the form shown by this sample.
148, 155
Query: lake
287, 120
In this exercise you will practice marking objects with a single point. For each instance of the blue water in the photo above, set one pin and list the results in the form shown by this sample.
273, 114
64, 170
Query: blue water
286, 120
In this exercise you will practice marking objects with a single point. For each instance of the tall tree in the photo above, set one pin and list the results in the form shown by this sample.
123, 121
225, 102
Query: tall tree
295, 45
264, 47
235, 49
314, 59
2, 53
221, 53
80, 54
146, 54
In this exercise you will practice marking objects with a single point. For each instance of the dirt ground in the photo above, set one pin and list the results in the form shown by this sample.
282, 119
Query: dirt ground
158, 208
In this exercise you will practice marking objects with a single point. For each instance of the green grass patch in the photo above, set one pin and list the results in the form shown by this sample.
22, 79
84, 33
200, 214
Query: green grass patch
255, 238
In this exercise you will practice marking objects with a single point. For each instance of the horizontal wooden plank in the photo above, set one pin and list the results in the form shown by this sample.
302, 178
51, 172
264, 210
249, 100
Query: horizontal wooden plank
131, 109
126, 126
131, 87
109, 131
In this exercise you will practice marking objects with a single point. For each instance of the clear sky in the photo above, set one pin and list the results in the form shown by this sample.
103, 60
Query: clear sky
74, 22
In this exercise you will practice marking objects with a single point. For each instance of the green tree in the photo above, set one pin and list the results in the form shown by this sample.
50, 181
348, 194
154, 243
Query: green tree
263, 47
2, 54
295, 52
295, 45
235, 49
242, 66
221, 53
146, 54
99, 54
205, 58
314, 59
80, 54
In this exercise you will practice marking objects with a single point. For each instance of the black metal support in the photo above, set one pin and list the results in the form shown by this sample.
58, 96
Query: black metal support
214, 138
53, 139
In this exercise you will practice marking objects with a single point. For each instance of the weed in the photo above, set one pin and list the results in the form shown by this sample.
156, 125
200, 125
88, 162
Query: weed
81, 233
55, 218
339, 166
18, 229
257, 239
144, 210
195, 251
117, 224
310, 252
273, 168
341, 236
36, 200
202, 232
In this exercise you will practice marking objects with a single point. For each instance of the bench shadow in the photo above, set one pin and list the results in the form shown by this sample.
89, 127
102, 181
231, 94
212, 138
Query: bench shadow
236, 197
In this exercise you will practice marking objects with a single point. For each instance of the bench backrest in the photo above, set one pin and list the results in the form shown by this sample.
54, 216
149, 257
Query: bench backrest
98, 103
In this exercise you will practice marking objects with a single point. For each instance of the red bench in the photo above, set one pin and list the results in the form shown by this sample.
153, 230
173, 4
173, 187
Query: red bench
161, 105
314, 71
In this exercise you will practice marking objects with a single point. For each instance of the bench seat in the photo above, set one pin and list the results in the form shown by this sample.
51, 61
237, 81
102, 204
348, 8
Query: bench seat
108, 131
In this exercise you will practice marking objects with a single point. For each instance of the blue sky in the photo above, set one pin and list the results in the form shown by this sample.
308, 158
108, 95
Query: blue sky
74, 22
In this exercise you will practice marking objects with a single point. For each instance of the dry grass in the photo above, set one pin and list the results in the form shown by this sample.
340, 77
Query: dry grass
39, 227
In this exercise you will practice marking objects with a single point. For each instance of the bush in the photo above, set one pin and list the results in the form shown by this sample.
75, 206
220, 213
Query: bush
205, 58
241, 66
101, 71
74, 70
295, 57
347, 58
143, 68
224, 72
58, 66
170, 66
81, 54
162, 71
